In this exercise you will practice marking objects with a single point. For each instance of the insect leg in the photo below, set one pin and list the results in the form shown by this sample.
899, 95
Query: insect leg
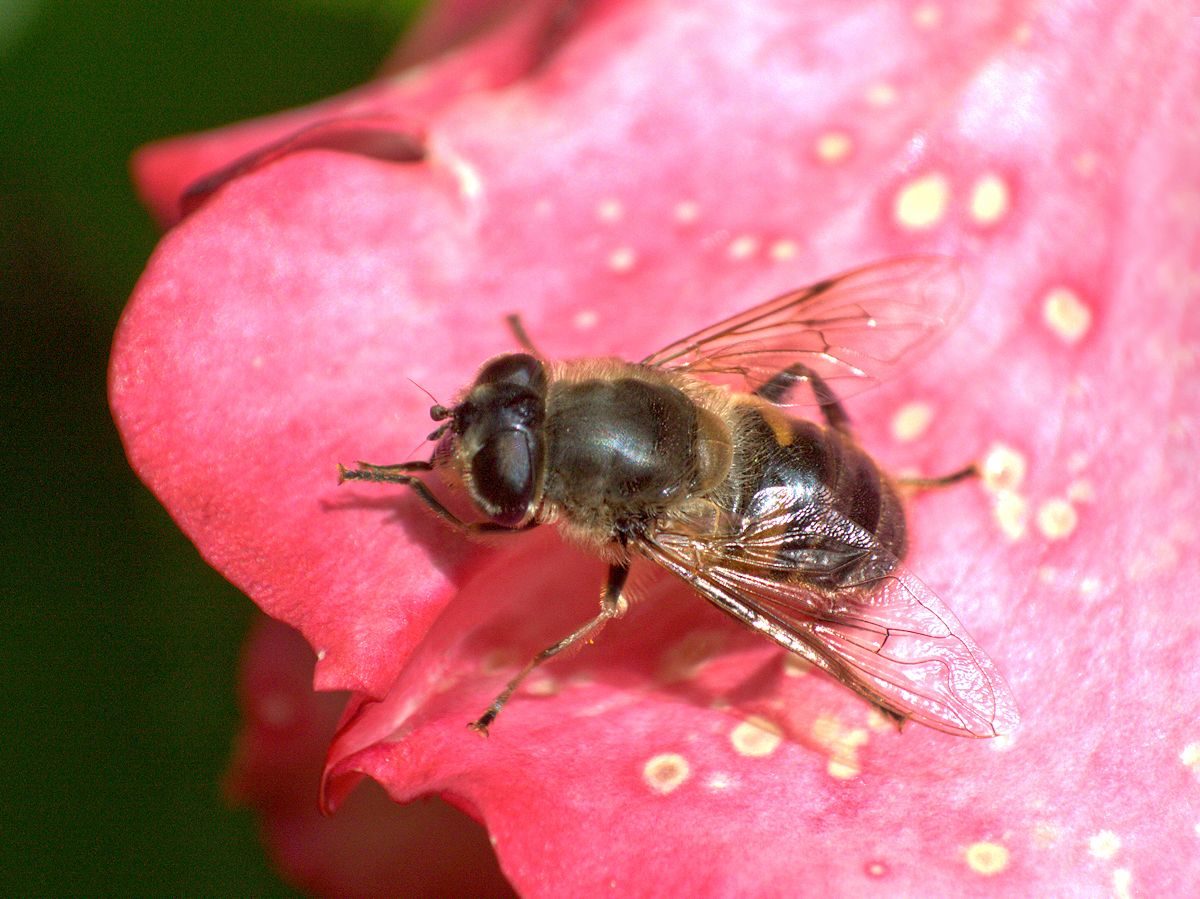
777, 388
945, 480
612, 605
518, 328
397, 474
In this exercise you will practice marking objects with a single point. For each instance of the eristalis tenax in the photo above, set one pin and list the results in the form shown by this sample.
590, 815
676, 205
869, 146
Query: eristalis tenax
688, 459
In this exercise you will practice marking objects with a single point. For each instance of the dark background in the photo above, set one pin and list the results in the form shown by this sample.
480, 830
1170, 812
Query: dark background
120, 647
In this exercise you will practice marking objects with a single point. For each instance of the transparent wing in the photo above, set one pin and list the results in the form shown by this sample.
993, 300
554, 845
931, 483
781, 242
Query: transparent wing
853, 330
879, 631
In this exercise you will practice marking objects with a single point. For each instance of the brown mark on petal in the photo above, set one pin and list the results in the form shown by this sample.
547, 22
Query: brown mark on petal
376, 137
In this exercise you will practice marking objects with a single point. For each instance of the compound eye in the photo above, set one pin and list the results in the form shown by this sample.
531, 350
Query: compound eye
503, 475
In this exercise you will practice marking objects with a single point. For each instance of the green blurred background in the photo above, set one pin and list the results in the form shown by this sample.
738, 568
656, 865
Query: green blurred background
120, 648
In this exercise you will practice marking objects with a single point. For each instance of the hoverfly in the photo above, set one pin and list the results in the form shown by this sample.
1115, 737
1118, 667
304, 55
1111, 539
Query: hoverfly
688, 459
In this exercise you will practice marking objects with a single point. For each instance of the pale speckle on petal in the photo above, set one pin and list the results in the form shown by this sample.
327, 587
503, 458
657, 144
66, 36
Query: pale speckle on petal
666, 772
586, 319
545, 685
1089, 585
687, 212
1081, 491
796, 666
833, 146
275, 709
622, 259
876, 869
1197, 828
684, 659
1056, 519
321, 653
743, 246
927, 16
610, 210
1104, 844
1022, 34
498, 660
922, 202
1046, 835
989, 199
783, 250
1160, 555
1066, 315
881, 94
756, 737
257, 362
1122, 880
1012, 513
987, 858
1002, 743
719, 782
1087, 162
1003, 468
911, 421
1047, 574
842, 745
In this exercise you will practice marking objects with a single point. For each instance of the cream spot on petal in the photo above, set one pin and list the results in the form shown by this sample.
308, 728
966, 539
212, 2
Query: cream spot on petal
257, 362
586, 319
1089, 585
876, 869
1122, 880
687, 212
756, 737
881, 94
987, 858
666, 772
610, 210
1047, 574
622, 259
321, 653
927, 16
833, 146
1104, 844
1191, 756
1003, 468
911, 421
1022, 34
743, 247
989, 199
1066, 315
1012, 514
1197, 828
783, 250
921, 203
1056, 519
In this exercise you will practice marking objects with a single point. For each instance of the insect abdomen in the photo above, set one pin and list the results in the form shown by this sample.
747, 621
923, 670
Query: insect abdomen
810, 468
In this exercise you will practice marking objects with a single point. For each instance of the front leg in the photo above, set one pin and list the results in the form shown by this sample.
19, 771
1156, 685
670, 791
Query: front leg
398, 474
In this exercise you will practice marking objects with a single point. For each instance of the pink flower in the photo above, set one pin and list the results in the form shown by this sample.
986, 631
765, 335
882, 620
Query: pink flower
620, 177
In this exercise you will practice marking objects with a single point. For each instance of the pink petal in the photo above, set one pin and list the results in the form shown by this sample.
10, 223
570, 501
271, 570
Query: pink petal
668, 165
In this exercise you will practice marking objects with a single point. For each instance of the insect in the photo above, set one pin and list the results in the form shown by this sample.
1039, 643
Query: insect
688, 459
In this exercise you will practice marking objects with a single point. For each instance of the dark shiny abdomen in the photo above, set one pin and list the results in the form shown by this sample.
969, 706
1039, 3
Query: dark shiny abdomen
619, 450
818, 470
